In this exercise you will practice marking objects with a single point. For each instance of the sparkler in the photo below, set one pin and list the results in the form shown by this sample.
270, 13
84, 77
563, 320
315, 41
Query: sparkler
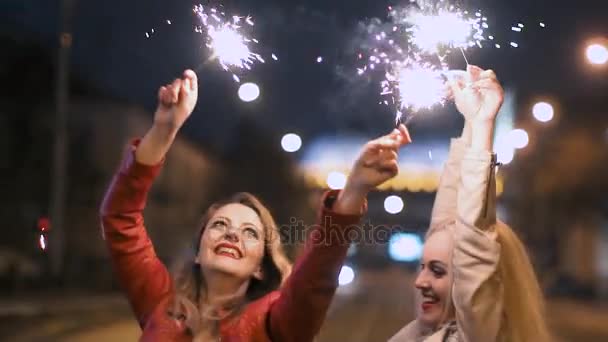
411, 50
447, 28
225, 37
406, 52
420, 86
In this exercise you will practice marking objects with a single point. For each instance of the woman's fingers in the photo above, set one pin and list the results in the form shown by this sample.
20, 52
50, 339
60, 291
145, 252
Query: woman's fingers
488, 74
487, 83
162, 95
405, 135
184, 90
397, 138
385, 142
376, 158
192, 78
390, 167
474, 72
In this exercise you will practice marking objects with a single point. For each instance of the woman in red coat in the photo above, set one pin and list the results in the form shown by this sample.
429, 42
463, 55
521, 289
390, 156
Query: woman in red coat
238, 286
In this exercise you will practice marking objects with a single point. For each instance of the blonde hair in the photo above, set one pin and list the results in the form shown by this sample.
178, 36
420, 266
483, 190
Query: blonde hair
523, 302
189, 282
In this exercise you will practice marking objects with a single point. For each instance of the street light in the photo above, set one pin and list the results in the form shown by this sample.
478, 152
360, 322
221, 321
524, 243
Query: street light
347, 275
336, 180
291, 142
519, 138
543, 111
393, 205
405, 247
249, 92
597, 54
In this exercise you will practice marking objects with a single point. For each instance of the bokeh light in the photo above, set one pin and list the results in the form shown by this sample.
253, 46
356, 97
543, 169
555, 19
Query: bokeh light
597, 54
249, 92
393, 204
543, 111
336, 180
519, 138
347, 275
405, 247
291, 142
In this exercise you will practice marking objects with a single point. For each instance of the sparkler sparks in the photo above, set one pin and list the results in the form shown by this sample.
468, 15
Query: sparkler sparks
411, 49
227, 41
414, 86
431, 32
420, 86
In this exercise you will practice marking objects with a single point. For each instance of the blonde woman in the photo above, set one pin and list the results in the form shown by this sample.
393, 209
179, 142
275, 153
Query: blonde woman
476, 282
237, 285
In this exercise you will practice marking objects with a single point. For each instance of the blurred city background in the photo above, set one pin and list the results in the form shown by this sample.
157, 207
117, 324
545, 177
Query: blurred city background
79, 79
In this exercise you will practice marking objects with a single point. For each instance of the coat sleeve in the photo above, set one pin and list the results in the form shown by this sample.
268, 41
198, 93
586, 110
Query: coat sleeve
477, 290
299, 311
143, 277
444, 209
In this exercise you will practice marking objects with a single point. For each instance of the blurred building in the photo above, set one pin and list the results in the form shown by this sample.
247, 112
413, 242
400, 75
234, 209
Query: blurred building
101, 130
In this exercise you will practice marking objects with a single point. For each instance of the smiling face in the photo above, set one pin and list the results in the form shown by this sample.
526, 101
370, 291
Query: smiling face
435, 279
233, 242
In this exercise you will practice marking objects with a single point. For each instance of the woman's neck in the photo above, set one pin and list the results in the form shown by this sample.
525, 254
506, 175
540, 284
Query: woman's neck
223, 290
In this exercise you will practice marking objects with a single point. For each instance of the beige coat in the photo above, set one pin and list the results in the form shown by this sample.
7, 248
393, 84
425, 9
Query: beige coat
466, 204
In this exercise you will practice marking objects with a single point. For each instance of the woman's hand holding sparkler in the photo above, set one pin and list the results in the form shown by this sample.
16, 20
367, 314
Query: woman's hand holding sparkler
478, 96
176, 101
376, 164
477, 93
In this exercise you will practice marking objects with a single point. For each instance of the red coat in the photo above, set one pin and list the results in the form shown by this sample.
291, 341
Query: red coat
293, 313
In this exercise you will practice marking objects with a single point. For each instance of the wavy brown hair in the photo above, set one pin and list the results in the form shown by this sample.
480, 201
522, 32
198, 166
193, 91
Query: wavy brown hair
189, 282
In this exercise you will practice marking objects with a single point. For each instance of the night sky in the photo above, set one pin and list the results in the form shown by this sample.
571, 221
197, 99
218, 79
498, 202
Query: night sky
111, 52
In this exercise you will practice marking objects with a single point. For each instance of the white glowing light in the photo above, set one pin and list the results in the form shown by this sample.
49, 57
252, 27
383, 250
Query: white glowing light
336, 180
319, 59
42, 242
430, 32
419, 86
514, 44
505, 153
291, 142
226, 39
405, 247
543, 111
542, 24
249, 92
597, 54
347, 275
393, 205
504, 148
229, 46
519, 138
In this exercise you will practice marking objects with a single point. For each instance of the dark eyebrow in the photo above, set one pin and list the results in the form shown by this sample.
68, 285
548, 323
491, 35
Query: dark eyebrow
438, 263
248, 224
223, 218
251, 225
